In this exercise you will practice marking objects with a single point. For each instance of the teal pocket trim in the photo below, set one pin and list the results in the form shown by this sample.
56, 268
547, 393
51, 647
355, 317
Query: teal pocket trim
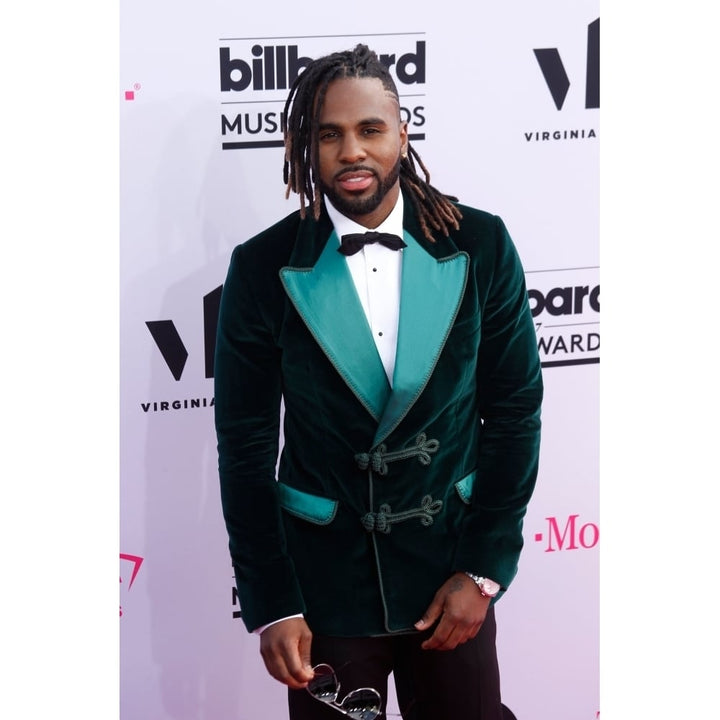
309, 507
464, 487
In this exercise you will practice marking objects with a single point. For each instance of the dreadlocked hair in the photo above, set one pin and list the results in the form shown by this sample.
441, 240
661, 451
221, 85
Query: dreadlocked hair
435, 210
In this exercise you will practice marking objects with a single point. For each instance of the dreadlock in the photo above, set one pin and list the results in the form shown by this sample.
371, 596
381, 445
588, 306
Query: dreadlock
435, 210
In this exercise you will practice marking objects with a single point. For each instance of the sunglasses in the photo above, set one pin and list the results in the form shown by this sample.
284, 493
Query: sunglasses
360, 704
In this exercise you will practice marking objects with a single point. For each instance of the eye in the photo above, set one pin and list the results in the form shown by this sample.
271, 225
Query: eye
326, 135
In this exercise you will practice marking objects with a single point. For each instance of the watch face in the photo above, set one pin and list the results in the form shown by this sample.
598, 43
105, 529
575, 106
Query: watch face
490, 587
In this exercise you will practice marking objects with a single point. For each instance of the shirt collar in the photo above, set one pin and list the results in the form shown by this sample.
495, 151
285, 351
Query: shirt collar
343, 225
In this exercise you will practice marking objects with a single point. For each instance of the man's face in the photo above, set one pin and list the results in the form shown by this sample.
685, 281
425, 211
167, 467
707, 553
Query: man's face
360, 141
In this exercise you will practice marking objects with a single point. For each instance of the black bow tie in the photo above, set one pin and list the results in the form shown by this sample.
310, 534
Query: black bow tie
354, 242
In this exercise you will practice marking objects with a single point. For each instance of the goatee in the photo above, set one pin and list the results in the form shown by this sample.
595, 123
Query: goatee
353, 207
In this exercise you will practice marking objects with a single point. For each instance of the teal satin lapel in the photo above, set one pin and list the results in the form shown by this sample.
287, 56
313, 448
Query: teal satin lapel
430, 298
325, 298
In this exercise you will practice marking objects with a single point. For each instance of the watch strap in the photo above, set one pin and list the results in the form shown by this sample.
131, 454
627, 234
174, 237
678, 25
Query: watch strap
483, 584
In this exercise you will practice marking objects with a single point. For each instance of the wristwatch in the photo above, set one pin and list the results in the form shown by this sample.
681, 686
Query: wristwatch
488, 588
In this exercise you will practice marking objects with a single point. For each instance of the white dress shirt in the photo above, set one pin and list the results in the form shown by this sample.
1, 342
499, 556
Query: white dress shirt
376, 271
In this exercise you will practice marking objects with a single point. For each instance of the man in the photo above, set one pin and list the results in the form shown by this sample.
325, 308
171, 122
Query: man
411, 386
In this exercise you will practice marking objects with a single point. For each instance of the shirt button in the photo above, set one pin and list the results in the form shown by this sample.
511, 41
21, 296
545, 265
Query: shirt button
380, 333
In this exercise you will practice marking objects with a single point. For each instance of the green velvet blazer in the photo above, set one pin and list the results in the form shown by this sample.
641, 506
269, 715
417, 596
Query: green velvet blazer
380, 493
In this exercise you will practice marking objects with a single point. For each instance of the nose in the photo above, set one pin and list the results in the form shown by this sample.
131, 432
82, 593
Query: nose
352, 149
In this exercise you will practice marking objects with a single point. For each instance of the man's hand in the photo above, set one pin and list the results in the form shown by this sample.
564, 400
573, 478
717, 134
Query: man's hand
461, 609
285, 648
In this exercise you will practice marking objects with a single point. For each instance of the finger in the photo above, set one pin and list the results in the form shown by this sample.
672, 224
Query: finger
442, 643
474, 631
283, 662
450, 633
275, 665
440, 637
279, 668
305, 655
297, 660
431, 615
285, 648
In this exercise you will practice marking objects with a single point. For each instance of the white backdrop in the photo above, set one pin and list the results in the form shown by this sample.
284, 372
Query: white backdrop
493, 134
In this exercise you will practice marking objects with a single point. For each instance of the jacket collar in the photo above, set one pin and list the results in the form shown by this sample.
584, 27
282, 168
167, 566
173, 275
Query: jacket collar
319, 285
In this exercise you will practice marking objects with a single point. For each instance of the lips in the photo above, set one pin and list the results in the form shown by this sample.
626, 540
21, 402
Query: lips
355, 180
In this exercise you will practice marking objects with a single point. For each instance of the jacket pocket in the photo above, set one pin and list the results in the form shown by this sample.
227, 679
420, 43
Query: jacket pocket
464, 487
315, 509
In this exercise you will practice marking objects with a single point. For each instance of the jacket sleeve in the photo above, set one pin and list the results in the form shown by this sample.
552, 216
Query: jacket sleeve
510, 391
247, 422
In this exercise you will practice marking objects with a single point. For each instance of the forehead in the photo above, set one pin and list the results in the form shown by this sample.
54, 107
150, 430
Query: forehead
354, 99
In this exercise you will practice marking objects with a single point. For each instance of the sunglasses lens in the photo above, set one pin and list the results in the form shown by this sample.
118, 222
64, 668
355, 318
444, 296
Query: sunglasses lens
362, 704
324, 685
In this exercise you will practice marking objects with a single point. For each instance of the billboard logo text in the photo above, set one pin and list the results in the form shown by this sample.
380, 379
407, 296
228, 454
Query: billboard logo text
276, 67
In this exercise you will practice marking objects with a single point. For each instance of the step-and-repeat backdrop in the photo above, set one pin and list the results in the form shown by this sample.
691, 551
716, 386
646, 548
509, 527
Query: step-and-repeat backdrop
502, 101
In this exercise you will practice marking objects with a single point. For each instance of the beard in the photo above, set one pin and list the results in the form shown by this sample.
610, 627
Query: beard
357, 206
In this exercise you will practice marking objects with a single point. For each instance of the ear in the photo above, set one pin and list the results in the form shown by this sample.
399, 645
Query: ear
404, 139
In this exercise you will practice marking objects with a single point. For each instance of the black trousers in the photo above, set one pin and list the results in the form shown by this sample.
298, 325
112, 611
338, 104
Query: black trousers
459, 684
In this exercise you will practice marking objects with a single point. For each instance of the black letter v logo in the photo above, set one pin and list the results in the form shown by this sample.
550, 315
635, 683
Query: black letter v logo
554, 74
171, 346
